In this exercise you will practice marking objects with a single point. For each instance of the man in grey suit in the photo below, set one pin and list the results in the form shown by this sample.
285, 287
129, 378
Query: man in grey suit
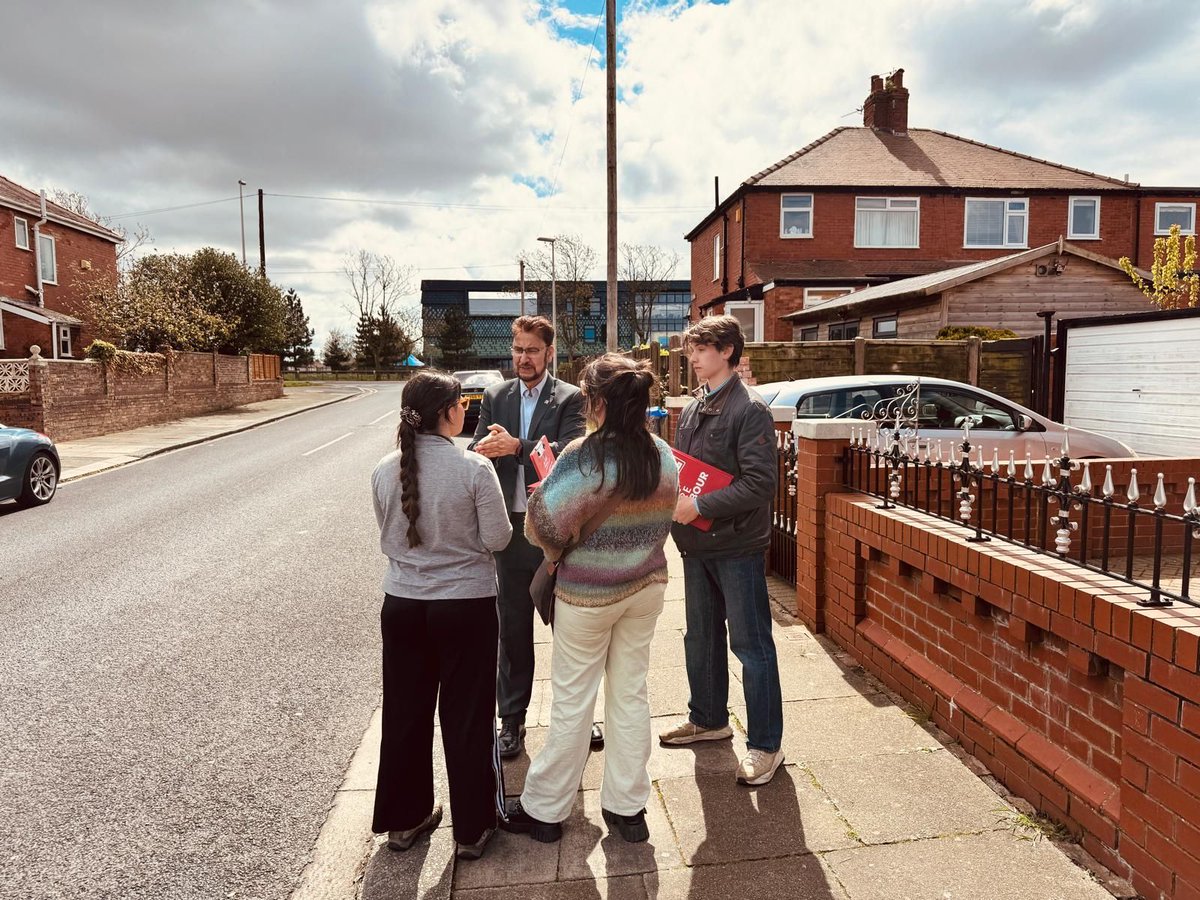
513, 417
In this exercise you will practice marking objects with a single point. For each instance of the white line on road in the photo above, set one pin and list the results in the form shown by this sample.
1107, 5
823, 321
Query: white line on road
329, 444
390, 412
362, 392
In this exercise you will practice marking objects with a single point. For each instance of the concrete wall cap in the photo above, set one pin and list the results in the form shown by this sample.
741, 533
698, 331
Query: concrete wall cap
827, 429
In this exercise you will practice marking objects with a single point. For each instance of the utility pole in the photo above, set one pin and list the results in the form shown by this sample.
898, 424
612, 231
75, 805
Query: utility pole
262, 238
610, 13
242, 215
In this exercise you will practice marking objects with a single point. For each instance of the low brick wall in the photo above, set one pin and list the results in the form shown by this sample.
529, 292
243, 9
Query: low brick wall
1074, 696
72, 400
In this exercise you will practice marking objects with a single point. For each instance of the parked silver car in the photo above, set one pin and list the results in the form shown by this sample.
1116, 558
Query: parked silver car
943, 407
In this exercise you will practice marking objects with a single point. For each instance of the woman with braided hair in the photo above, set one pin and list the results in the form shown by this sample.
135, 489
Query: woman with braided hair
441, 517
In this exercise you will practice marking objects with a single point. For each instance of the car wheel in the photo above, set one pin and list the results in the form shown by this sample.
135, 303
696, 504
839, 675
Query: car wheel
41, 480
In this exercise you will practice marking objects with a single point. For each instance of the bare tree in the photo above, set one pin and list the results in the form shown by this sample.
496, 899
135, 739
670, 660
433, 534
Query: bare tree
130, 242
386, 331
574, 262
645, 269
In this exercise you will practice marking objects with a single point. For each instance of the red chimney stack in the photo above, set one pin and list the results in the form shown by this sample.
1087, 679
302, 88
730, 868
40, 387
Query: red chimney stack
886, 107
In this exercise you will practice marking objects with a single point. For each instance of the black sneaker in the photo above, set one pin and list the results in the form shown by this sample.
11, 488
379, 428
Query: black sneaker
597, 740
512, 740
518, 821
632, 828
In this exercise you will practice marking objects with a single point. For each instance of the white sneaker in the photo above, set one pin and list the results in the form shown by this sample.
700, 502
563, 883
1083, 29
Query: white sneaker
758, 766
689, 733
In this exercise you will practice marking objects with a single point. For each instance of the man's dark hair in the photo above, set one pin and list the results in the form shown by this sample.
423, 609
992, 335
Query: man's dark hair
719, 332
538, 325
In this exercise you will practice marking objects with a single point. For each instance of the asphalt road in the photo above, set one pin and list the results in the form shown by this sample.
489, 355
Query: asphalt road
188, 659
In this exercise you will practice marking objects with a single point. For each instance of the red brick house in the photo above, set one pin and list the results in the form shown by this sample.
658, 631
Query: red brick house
47, 253
870, 205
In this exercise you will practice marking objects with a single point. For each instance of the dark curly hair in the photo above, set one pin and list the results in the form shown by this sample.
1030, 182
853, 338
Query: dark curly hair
426, 398
623, 387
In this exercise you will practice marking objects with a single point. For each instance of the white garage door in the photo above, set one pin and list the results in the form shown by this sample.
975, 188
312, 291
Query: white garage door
1138, 382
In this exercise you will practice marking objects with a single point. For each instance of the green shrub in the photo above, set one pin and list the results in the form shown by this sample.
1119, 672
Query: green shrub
101, 351
962, 332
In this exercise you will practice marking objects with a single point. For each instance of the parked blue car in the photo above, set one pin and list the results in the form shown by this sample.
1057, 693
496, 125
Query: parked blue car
29, 466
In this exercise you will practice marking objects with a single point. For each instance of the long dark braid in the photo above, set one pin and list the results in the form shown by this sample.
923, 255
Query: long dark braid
426, 398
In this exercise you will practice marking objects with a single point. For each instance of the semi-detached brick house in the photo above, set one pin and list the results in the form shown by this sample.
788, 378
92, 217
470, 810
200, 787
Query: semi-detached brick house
866, 206
47, 255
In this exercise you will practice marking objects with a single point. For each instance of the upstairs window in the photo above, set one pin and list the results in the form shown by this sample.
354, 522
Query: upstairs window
1083, 221
717, 256
996, 223
887, 222
1168, 214
795, 215
21, 232
49, 261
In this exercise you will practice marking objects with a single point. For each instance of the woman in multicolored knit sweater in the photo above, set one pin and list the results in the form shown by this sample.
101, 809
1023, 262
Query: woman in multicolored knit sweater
609, 596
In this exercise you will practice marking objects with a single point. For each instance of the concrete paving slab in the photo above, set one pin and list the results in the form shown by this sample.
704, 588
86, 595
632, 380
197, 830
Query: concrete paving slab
717, 820
791, 878
673, 617
631, 887
666, 650
517, 768
990, 866
591, 851
844, 727
364, 766
669, 692
511, 859
903, 796
422, 872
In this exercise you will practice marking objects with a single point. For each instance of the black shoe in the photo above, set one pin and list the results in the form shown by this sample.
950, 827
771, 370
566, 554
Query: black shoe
512, 740
632, 828
520, 822
475, 850
597, 736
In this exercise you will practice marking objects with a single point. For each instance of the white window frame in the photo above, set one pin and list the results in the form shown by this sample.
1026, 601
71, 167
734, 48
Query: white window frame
757, 307
21, 226
888, 208
53, 258
807, 305
717, 256
1158, 207
1072, 234
782, 232
1005, 245
64, 340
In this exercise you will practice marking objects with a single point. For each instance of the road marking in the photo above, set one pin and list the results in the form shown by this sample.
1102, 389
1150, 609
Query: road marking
329, 444
362, 392
390, 412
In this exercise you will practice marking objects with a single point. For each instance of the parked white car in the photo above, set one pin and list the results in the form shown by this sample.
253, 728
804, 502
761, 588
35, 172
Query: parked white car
943, 407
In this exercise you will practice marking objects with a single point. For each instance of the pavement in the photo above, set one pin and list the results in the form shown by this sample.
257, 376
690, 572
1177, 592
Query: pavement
874, 803
88, 456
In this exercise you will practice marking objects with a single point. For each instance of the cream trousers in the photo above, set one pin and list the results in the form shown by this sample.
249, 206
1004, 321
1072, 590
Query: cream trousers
613, 642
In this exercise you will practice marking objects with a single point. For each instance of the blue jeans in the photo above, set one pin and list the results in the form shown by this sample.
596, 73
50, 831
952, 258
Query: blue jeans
735, 591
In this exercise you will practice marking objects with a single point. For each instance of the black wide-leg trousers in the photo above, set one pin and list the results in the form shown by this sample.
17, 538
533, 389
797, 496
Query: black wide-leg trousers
446, 648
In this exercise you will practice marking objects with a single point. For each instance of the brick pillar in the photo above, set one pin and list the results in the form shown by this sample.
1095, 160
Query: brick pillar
39, 386
819, 447
168, 356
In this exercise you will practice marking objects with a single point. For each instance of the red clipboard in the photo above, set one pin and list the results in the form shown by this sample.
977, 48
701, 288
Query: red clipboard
542, 457
697, 478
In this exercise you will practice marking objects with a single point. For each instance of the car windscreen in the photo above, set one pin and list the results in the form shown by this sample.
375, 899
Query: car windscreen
479, 382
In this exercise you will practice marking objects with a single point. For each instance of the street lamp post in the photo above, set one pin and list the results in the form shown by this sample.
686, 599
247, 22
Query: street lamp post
242, 215
553, 302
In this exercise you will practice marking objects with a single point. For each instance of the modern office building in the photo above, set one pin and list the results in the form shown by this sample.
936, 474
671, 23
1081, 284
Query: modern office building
491, 306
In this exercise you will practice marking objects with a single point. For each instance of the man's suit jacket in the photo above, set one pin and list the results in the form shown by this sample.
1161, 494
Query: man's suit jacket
559, 416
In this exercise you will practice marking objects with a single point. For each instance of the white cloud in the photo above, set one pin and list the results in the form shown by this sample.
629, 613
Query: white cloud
471, 102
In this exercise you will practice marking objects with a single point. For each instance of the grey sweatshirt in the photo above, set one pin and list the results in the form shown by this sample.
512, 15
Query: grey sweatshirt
463, 521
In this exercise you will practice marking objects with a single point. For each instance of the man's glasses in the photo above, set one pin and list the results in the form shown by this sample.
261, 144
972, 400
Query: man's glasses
527, 351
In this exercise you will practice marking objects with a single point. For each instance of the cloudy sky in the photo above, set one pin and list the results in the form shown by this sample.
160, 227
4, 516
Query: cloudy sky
451, 133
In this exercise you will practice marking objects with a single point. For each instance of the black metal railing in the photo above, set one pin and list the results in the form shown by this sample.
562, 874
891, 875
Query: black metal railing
1048, 512
781, 555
